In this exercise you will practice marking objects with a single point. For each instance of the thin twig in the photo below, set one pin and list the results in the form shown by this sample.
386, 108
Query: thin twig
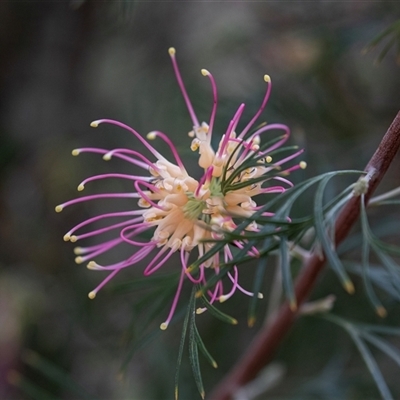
268, 339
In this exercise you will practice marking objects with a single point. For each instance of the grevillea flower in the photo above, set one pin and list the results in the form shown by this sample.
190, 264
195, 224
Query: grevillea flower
183, 213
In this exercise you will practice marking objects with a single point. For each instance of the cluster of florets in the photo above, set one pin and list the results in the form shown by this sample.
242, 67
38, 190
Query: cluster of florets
185, 214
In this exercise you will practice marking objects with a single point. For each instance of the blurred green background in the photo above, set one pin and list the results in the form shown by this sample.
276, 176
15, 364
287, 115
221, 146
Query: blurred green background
64, 64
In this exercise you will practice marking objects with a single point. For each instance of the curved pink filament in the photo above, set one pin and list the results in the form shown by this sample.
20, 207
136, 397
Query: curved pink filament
108, 228
144, 196
231, 127
102, 216
138, 228
167, 140
183, 90
214, 108
273, 189
100, 196
107, 244
122, 176
218, 290
134, 132
235, 281
152, 268
101, 248
253, 252
207, 176
94, 251
138, 256
122, 157
146, 162
184, 259
279, 178
248, 147
275, 146
234, 286
260, 110
105, 281
176, 298
294, 155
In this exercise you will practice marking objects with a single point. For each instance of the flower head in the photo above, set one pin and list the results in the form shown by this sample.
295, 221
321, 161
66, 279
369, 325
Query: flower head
185, 214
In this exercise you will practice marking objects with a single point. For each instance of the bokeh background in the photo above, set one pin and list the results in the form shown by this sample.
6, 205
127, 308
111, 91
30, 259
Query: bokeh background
64, 64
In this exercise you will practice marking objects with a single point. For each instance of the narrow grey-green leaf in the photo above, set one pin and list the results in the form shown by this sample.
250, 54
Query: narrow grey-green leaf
382, 345
218, 313
388, 248
380, 310
371, 365
287, 280
380, 277
258, 279
203, 348
194, 356
326, 242
189, 311
387, 330
392, 268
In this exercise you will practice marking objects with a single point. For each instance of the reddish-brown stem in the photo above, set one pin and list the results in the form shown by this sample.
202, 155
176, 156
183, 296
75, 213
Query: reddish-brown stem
267, 340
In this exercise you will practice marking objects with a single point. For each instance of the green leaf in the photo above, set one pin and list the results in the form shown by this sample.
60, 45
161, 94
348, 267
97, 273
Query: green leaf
388, 202
326, 242
203, 348
257, 282
386, 48
390, 29
287, 275
379, 276
189, 311
393, 30
356, 331
392, 268
294, 193
226, 181
387, 330
388, 248
218, 313
384, 346
371, 365
194, 354
380, 310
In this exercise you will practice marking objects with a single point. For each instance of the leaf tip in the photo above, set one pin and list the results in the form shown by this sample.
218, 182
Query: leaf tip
381, 311
349, 287
176, 393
